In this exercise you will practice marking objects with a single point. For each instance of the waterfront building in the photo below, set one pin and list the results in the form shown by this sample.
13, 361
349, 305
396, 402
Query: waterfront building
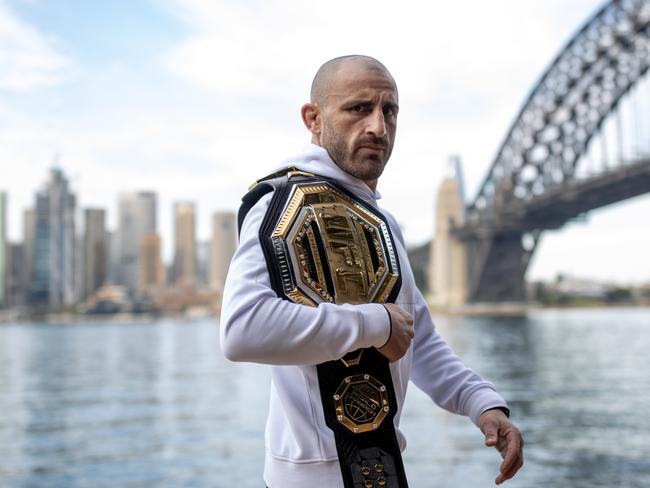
203, 262
79, 267
185, 259
95, 251
113, 258
136, 217
53, 259
3, 249
223, 246
29, 233
17, 279
152, 270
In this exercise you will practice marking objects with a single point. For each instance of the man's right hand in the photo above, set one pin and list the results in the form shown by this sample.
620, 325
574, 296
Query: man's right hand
401, 334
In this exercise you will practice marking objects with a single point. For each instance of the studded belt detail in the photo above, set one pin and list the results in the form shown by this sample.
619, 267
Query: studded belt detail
359, 405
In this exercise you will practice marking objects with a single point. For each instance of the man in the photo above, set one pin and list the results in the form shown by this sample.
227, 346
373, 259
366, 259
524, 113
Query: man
352, 117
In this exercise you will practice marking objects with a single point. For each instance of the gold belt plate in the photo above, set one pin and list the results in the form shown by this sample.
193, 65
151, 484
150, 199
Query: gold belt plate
333, 249
361, 403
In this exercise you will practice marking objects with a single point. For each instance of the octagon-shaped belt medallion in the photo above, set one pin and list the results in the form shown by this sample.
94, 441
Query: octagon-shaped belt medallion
333, 249
361, 403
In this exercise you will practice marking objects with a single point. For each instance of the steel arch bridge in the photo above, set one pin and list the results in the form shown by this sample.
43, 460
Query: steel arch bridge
535, 183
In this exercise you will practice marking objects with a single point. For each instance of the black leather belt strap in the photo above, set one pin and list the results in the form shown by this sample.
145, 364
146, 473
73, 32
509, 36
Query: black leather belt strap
367, 459
358, 390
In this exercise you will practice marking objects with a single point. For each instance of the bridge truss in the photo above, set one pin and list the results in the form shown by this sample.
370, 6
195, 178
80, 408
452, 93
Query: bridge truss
534, 183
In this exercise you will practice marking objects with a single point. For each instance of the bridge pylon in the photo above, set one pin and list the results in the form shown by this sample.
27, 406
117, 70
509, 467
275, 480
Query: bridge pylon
448, 254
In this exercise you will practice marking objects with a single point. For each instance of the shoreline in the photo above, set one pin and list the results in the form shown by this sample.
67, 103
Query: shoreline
520, 309
472, 310
67, 318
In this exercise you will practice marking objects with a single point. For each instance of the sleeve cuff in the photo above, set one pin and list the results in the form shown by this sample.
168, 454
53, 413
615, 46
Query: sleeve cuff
505, 410
483, 400
376, 324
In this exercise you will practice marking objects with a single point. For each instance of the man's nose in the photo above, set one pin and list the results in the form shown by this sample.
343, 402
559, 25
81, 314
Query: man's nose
377, 123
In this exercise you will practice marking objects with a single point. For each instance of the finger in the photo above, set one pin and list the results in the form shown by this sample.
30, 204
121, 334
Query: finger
509, 474
513, 453
515, 467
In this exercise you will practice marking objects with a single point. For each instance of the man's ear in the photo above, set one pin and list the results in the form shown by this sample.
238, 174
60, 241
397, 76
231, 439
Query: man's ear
311, 117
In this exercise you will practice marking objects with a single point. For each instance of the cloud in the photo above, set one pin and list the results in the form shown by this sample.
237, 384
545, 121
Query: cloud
246, 48
27, 59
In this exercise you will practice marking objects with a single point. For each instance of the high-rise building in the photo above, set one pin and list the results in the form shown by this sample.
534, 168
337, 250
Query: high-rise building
203, 262
78, 267
113, 271
95, 250
17, 280
29, 233
53, 282
136, 217
185, 261
152, 271
222, 248
3, 249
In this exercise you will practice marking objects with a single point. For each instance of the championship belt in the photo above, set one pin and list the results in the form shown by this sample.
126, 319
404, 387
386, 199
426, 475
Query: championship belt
324, 245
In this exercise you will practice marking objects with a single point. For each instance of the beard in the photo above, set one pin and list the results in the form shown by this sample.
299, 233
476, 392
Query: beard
352, 160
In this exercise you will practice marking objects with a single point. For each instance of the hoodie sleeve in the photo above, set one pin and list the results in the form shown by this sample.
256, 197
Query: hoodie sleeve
436, 369
258, 326
441, 374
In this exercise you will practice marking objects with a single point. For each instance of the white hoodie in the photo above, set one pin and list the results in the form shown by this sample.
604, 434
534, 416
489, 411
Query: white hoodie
257, 326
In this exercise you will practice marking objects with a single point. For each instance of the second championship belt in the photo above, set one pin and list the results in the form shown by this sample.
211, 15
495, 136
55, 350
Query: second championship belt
324, 245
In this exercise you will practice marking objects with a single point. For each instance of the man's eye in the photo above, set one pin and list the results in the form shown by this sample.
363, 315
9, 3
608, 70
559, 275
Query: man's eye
390, 112
357, 108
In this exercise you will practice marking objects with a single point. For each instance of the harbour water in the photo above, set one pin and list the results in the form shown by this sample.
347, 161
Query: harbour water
156, 405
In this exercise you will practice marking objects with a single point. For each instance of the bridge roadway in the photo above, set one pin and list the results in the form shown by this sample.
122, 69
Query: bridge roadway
502, 240
562, 203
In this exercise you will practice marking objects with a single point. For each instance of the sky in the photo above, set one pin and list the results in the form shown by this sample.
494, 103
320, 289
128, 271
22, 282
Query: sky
195, 99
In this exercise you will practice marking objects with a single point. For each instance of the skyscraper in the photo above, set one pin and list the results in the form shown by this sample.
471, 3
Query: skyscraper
152, 271
53, 282
113, 271
16, 276
222, 248
95, 250
136, 217
185, 261
203, 262
29, 236
3, 249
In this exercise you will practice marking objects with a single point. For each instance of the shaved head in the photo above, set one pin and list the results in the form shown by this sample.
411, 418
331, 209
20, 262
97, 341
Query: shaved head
327, 73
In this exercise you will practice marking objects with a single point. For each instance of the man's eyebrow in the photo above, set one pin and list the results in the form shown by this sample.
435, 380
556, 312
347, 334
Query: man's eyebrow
367, 102
357, 101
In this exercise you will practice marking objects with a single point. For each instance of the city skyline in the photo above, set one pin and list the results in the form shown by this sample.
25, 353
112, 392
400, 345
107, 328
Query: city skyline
196, 99
111, 213
68, 257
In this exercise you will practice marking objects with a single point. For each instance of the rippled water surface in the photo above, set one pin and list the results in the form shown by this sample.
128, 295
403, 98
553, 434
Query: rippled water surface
155, 405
